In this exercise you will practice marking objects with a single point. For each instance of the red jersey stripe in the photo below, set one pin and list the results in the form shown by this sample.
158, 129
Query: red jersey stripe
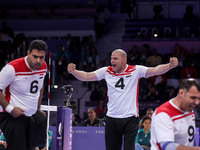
169, 109
183, 116
25, 73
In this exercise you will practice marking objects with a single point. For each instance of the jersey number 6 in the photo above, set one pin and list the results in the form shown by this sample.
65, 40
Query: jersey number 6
34, 87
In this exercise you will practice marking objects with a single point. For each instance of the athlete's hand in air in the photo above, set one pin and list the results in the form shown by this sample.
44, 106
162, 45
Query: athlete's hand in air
173, 62
71, 68
16, 112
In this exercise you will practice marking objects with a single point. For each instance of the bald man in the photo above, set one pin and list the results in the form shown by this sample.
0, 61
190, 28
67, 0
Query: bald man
122, 117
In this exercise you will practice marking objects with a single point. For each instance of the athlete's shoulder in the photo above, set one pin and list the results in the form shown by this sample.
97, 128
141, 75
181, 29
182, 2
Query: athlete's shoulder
130, 68
109, 69
17, 61
169, 109
19, 65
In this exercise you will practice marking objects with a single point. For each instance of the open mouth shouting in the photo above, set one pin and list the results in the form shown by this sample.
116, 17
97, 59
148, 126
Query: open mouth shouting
114, 66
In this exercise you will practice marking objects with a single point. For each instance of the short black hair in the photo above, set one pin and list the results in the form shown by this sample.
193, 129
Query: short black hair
186, 84
149, 109
39, 45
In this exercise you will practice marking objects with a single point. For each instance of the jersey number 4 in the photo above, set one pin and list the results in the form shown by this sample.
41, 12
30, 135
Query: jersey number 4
120, 83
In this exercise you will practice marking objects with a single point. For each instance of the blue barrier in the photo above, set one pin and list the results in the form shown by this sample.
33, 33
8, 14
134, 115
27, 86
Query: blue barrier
196, 137
64, 129
66, 137
88, 138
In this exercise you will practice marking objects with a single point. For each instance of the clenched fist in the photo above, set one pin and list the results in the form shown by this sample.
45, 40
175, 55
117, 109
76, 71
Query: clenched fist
173, 62
71, 68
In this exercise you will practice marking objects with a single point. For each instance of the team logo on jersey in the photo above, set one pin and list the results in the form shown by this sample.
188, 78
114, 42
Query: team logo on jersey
128, 76
41, 76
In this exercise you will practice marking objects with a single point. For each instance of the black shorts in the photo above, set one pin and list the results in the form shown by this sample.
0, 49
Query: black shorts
121, 129
23, 133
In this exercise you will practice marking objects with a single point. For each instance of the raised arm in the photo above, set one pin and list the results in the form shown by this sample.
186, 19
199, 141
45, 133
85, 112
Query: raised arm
161, 69
81, 75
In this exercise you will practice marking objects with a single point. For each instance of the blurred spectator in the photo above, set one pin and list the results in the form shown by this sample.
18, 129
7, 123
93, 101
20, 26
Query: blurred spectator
159, 81
89, 50
152, 94
189, 13
94, 59
157, 12
91, 59
6, 30
142, 141
174, 74
19, 45
133, 55
188, 71
149, 112
100, 21
128, 6
61, 59
68, 43
193, 58
3, 144
171, 94
144, 54
92, 119
44, 147
180, 52
89, 42
104, 93
74, 54
96, 93
154, 59
101, 109
74, 123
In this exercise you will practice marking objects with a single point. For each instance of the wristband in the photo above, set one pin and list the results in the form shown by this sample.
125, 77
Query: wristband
170, 66
9, 108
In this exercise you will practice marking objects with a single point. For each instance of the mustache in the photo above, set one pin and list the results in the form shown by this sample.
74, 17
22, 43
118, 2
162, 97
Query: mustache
37, 64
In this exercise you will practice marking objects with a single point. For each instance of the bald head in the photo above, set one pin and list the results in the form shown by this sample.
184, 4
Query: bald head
119, 60
121, 52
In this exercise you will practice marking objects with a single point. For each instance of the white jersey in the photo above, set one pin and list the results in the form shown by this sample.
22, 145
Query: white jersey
169, 123
123, 90
21, 85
